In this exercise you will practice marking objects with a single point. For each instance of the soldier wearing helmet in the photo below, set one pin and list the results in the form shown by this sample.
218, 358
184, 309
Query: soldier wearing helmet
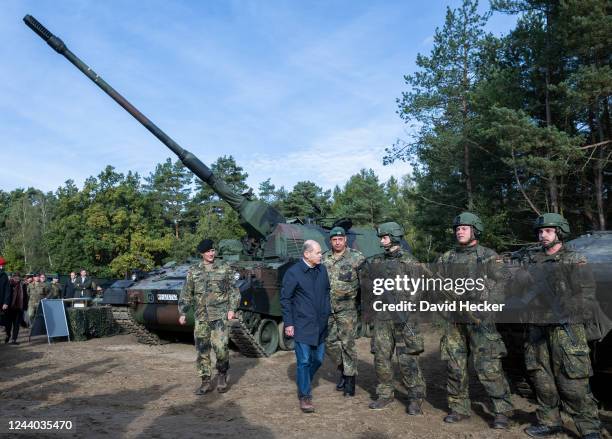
391, 335
557, 355
481, 340
343, 264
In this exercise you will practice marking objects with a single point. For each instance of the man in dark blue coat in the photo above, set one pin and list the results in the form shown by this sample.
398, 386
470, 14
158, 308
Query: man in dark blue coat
306, 308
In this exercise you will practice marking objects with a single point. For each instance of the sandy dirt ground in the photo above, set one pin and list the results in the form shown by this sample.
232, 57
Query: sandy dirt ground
115, 387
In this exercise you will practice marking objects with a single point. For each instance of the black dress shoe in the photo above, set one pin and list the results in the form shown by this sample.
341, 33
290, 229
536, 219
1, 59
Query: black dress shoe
6, 339
543, 430
14, 342
454, 417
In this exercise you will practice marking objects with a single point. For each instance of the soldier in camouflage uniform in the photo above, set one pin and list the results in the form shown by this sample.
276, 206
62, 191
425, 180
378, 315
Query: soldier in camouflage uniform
342, 265
37, 291
480, 340
557, 356
390, 335
55, 290
211, 293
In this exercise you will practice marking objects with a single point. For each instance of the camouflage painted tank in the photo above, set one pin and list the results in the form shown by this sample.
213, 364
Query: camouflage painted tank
261, 259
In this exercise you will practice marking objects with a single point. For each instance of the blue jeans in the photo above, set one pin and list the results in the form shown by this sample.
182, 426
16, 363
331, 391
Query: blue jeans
309, 359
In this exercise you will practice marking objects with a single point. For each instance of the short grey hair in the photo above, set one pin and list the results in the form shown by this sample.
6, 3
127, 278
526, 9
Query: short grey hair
308, 245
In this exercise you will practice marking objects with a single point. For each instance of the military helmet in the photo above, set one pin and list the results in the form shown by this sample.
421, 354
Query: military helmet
469, 219
394, 230
553, 220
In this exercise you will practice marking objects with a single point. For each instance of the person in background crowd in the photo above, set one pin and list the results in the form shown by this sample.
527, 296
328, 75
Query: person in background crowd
55, 289
5, 290
84, 286
16, 309
37, 291
69, 287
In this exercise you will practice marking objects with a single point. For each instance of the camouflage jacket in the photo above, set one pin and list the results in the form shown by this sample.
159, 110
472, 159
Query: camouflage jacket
343, 277
387, 266
568, 277
209, 292
55, 291
475, 262
36, 292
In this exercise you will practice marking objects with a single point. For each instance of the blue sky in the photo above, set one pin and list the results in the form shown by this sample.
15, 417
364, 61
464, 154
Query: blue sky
294, 90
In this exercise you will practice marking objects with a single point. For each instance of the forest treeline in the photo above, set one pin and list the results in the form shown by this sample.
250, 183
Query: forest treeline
506, 126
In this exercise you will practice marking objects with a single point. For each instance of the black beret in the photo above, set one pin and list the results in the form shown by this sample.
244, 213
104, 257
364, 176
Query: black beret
205, 245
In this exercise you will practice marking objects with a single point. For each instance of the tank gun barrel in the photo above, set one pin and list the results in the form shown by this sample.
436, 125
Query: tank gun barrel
256, 217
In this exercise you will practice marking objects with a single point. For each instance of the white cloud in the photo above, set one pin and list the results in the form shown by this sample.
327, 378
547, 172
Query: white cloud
331, 160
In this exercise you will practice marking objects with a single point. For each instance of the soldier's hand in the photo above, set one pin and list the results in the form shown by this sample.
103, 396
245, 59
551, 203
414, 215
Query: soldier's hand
4, 307
289, 331
231, 315
182, 320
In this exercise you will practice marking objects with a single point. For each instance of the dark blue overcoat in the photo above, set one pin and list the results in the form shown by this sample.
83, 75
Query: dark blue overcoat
305, 302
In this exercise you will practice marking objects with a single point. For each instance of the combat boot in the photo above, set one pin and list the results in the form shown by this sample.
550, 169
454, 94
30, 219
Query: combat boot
501, 422
341, 380
543, 430
222, 380
594, 435
415, 407
380, 403
204, 387
349, 386
454, 417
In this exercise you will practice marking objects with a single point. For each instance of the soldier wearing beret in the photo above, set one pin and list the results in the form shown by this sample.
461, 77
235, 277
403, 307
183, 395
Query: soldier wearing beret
211, 294
342, 265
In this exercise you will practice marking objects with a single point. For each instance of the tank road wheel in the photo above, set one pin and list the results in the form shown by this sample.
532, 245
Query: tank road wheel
285, 343
267, 336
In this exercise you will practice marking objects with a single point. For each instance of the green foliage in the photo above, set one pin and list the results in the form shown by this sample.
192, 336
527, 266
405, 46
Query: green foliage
306, 200
520, 125
363, 199
169, 187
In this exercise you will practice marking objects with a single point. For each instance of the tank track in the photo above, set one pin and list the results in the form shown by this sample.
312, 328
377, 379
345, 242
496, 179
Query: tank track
124, 316
244, 340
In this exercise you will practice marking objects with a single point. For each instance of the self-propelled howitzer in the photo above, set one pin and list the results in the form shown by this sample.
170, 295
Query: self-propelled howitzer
260, 261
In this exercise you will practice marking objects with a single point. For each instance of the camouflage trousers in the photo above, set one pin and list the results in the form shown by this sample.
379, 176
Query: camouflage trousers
342, 331
487, 348
407, 342
32, 309
557, 360
209, 336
